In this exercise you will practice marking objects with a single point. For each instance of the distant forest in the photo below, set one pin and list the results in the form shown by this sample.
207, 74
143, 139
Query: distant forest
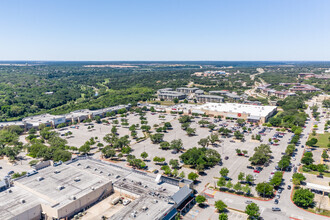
60, 87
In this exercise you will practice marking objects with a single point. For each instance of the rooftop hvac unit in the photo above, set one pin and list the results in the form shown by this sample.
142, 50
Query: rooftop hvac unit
60, 187
40, 178
77, 179
57, 171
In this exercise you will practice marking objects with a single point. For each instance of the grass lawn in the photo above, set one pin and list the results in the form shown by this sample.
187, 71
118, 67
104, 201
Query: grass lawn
322, 211
313, 210
325, 174
323, 139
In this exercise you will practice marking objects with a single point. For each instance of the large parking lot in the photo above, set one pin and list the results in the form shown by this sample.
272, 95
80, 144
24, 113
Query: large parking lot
226, 147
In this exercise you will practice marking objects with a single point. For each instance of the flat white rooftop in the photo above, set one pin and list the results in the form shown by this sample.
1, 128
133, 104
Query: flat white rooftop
252, 110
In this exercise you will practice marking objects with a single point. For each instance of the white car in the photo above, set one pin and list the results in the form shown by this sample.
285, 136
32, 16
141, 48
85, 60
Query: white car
126, 202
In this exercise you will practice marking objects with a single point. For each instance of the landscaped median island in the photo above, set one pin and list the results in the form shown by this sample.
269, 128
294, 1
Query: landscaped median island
304, 199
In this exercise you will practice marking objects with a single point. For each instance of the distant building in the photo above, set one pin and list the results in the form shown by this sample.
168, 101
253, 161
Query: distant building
304, 88
209, 98
170, 94
187, 90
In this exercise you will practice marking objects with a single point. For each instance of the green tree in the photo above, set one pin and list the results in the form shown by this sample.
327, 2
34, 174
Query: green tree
157, 138
224, 172
144, 155
241, 176
221, 182
200, 199
325, 155
220, 205
223, 216
174, 163
261, 155
249, 178
204, 142
252, 210
229, 185
264, 189
85, 149
191, 131
164, 145
182, 175
192, 176
177, 145
237, 186
297, 178
303, 198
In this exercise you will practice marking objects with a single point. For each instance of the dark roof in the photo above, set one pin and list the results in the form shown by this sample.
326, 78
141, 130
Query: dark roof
181, 195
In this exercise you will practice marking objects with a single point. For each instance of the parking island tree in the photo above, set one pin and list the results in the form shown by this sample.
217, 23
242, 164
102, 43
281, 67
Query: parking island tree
165, 145
229, 185
213, 138
191, 131
223, 216
303, 198
204, 142
249, 178
261, 155
277, 179
246, 189
221, 182
200, 200
252, 210
211, 126
174, 163
325, 155
237, 186
177, 145
220, 206
202, 123
224, 172
156, 138
297, 178
144, 155
193, 176
265, 189
241, 176
182, 175
311, 142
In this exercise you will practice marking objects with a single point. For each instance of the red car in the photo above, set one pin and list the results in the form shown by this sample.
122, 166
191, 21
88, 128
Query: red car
256, 171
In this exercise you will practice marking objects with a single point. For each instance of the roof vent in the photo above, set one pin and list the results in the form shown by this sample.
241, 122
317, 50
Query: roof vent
10, 191
22, 201
86, 167
72, 197
60, 188
92, 188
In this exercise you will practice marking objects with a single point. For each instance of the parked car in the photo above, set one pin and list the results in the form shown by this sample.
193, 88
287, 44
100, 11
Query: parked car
226, 157
276, 209
248, 202
319, 176
276, 201
250, 167
289, 187
279, 190
10, 172
278, 196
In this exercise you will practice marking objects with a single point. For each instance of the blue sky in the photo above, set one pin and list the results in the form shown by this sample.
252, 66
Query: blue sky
165, 30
